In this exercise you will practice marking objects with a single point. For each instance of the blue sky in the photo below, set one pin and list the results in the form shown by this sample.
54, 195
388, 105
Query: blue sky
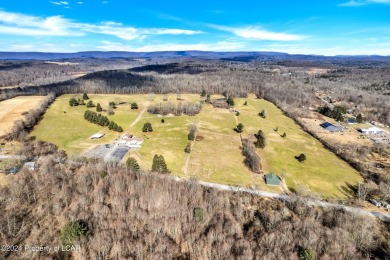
333, 27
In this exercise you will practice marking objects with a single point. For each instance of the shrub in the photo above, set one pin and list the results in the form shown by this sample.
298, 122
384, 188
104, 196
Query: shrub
188, 148
73, 231
263, 113
198, 214
239, 128
301, 157
73, 102
85, 96
134, 105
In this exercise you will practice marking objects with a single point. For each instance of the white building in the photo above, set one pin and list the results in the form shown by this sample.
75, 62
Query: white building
31, 166
371, 130
97, 136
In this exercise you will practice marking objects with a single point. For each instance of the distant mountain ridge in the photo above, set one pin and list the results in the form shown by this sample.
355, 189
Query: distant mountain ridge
168, 54
124, 54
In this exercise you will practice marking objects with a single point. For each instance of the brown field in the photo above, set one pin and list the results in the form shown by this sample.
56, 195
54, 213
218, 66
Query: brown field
11, 110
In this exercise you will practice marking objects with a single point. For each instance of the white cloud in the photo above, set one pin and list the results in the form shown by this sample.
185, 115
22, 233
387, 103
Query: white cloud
20, 24
256, 33
64, 3
216, 46
80, 3
353, 3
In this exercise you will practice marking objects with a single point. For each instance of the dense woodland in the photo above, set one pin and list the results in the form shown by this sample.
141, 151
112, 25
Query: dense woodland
127, 215
142, 215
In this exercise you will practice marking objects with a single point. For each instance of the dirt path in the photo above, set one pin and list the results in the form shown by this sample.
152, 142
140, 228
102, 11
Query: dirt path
139, 116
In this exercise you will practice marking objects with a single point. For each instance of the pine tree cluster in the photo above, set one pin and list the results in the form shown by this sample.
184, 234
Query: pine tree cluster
101, 120
159, 164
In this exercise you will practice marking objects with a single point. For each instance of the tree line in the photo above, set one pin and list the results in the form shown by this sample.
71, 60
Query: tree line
101, 120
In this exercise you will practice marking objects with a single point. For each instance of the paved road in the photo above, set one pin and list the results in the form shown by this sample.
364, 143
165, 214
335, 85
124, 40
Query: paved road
314, 202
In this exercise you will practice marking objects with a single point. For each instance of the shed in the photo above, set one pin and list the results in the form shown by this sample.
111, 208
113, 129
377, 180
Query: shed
97, 136
272, 179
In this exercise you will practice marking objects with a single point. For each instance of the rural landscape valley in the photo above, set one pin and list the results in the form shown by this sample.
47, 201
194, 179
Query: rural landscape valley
253, 130
95, 152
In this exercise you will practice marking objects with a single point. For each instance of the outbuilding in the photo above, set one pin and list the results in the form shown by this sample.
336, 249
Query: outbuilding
371, 130
31, 166
97, 136
272, 179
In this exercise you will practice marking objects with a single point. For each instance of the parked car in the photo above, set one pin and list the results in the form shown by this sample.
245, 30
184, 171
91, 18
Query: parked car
386, 205
12, 170
375, 202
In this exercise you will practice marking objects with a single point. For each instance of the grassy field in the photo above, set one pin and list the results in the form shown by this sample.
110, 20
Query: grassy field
11, 110
323, 173
217, 158
66, 127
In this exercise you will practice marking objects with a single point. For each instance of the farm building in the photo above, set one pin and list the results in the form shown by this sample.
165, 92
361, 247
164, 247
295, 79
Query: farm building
332, 128
31, 166
371, 130
272, 179
132, 141
97, 136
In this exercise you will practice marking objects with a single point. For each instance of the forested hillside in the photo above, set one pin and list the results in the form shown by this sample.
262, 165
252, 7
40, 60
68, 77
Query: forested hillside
124, 215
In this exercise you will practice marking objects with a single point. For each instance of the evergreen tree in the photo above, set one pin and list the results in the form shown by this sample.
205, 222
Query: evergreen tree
359, 119
284, 135
90, 104
159, 164
301, 157
239, 128
203, 93
246, 103
163, 120
188, 148
147, 127
85, 96
120, 129
191, 135
133, 164
134, 105
112, 104
260, 142
237, 113
230, 101
208, 98
111, 125
73, 102
263, 113
81, 102
98, 108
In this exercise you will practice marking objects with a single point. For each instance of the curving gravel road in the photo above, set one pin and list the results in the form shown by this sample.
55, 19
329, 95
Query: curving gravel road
314, 202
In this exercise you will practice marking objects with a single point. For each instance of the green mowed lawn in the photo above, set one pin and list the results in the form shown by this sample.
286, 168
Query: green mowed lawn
323, 173
66, 127
218, 157
168, 139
